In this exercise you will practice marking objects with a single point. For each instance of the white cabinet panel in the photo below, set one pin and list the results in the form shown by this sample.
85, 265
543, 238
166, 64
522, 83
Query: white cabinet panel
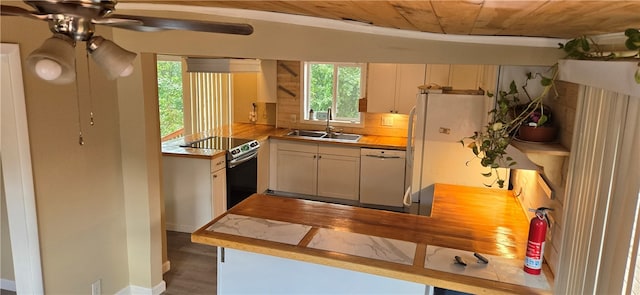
219, 192
297, 172
267, 83
263, 166
241, 272
462, 77
465, 76
316, 169
438, 74
381, 88
186, 189
392, 88
338, 176
409, 77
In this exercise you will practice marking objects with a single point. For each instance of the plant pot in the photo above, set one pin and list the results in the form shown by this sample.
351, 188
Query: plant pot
537, 134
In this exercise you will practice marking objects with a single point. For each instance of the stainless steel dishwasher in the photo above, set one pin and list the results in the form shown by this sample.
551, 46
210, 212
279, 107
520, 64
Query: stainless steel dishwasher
382, 177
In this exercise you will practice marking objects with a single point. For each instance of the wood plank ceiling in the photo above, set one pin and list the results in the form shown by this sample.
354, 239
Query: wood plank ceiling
534, 18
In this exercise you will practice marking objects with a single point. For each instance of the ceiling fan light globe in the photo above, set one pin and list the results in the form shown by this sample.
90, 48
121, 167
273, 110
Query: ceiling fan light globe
48, 69
115, 60
127, 71
54, 61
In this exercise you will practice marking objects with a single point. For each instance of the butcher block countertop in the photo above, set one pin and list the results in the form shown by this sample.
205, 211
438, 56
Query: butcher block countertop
264, 132
464, 220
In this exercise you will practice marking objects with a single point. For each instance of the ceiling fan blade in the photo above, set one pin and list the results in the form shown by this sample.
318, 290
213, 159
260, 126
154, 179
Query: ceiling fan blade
157, 24
116, 21
17, 11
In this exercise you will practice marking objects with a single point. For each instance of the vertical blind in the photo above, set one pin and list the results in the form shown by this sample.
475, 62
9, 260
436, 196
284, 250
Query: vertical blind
209, 101
602, 194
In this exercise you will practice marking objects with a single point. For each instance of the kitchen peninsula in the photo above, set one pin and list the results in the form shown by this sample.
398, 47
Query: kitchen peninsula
283, 237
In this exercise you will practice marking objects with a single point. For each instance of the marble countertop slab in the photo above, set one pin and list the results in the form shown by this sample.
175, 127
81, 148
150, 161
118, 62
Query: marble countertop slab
258, 228
364, 245
498, 269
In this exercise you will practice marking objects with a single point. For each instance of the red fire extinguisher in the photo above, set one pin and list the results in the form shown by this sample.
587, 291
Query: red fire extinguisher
535, 243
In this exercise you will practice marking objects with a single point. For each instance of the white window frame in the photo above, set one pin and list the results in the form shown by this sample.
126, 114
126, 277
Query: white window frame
304, 106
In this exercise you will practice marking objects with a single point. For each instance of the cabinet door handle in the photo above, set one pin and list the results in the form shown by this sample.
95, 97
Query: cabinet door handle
319, 157
215, 176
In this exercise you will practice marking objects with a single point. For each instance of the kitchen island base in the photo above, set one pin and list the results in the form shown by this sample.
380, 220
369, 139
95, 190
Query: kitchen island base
241, 272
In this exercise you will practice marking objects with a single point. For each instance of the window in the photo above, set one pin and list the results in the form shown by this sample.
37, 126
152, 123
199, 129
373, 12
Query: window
191, 102
170, 98
338, 86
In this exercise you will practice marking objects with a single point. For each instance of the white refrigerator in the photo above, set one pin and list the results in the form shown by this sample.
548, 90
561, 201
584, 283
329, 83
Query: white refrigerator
434, 154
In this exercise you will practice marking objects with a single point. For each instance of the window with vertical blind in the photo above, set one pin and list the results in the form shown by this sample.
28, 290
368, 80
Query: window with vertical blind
209, 101
191, 102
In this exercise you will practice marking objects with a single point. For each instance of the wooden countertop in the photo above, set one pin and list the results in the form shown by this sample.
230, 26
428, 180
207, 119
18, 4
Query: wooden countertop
264, 132
481, 220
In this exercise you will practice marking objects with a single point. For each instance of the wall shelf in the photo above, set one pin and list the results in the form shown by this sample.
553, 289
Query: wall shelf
550, 149
550, 157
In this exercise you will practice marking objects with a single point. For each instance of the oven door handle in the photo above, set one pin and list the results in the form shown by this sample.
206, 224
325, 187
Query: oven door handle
235, 162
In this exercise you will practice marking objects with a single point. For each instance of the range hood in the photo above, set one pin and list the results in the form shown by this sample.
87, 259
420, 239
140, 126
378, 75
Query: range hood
222, 65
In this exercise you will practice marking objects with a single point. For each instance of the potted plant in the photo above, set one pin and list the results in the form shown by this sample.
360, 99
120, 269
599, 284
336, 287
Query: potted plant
489, 145
506, 120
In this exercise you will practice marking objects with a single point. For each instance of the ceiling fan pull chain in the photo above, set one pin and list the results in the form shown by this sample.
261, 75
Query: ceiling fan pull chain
80, 138
90, 91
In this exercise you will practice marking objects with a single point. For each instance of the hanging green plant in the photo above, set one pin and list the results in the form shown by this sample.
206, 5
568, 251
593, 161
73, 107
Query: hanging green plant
489, 145
633, 43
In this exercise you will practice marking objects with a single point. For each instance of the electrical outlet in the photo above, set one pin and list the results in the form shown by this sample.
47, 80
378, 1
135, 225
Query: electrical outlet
96, 288
387, 121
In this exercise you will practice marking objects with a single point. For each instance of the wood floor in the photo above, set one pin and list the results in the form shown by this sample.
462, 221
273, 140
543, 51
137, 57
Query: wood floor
193, 266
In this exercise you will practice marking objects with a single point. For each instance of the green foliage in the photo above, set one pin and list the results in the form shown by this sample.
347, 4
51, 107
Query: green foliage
489, 145
633, 39
321, 87
347, 86
348, 92
585, 48
170, 96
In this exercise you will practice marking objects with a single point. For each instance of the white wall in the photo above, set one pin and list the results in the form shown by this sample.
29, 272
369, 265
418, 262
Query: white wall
79, 192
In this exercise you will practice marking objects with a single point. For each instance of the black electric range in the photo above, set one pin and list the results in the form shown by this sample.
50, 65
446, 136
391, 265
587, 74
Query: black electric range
235, 147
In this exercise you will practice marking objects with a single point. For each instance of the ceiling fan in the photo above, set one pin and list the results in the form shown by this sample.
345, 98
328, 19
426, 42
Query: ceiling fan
75, 20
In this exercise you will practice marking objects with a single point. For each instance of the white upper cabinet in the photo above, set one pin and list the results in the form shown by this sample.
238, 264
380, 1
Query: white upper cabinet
381, 88
392, 88
268, 81
462, 77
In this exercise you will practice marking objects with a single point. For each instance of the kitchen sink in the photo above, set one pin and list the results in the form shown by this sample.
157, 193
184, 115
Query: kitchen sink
324, 135
343, 136
306, 133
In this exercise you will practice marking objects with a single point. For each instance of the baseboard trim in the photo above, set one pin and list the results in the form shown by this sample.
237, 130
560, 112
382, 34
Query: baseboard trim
180, 227
166, 266
137, 290
8, 285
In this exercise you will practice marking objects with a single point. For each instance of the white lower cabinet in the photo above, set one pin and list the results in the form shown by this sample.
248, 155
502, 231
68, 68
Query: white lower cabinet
219, 187
263, 166
297, 172
339, 176
317, 169
194, 191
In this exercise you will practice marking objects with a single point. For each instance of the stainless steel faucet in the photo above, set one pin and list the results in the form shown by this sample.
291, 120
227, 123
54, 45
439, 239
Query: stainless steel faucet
329, 128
